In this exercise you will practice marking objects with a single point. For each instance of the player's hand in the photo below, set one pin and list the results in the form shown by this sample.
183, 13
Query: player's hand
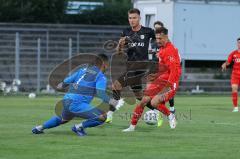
224, 66
121, 45
151, 77
60, 86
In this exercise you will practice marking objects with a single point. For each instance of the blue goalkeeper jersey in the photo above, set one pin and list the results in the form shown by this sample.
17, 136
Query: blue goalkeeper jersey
85, 83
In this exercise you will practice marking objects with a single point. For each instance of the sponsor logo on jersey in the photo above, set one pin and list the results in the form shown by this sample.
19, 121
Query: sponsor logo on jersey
237, 60
142, 36
141, 44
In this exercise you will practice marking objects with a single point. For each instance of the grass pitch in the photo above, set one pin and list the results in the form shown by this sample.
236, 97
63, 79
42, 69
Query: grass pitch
206, 129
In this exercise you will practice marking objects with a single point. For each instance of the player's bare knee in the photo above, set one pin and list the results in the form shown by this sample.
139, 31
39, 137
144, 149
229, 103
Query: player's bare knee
153, 103
234, 88
103, 117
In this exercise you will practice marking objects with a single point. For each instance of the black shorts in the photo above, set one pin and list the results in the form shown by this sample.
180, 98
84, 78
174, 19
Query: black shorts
135, 73
132, 79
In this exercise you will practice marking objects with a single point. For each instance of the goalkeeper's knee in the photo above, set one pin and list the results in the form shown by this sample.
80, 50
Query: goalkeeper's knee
102, 118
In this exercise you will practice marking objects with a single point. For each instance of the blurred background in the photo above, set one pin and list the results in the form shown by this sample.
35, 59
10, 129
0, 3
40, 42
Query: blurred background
37, 35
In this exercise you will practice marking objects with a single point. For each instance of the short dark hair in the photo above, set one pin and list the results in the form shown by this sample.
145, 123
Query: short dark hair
100, 59
162, 30
103, 57
134, 10
159, 23
238, 39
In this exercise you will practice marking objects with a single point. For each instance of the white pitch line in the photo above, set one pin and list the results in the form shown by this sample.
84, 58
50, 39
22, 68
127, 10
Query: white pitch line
231, 124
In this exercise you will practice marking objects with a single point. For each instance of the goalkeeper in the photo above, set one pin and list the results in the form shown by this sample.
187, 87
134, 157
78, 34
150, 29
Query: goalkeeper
84, 84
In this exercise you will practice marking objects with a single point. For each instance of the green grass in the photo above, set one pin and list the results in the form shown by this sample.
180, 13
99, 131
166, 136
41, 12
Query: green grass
211, 130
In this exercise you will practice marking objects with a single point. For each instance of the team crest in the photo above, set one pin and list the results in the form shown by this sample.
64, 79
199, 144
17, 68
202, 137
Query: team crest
142, 36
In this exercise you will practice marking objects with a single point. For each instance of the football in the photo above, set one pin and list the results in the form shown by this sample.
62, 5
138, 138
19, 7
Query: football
31, 95
150, 117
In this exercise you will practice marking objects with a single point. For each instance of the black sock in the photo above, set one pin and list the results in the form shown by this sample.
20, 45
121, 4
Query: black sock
116, 95
171, 102
150, 106
139, 98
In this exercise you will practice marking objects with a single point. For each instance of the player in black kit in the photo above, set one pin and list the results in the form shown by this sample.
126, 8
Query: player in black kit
135, 42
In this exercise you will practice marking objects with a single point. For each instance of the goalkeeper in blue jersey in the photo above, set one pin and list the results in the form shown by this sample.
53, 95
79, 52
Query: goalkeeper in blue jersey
84, 84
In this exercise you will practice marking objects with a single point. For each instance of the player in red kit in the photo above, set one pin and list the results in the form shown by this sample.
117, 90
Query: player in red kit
163, 85
234, 58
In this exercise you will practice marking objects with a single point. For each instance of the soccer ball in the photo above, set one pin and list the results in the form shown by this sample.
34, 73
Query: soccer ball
16, 82
31, 95
150, 117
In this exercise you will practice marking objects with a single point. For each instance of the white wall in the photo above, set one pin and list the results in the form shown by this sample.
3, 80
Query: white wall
210, 30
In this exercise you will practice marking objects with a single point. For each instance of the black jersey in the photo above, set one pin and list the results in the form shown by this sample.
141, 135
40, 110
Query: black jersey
154, 49
138, 43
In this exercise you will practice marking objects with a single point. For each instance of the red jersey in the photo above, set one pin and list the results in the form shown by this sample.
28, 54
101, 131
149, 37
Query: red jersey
169, 56
235, 58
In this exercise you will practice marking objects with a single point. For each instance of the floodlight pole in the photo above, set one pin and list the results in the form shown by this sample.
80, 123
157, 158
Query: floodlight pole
70, 55
38, 64
17, 52
78, 39
183, 59
47, 43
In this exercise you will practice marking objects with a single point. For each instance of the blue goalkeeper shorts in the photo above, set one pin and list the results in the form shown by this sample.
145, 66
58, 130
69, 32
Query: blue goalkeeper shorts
72, 109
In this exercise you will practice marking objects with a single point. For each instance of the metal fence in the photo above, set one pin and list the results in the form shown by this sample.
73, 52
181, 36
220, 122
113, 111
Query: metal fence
30, 53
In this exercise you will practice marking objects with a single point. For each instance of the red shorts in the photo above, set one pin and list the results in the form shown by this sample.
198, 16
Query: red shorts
235, 80
160, 86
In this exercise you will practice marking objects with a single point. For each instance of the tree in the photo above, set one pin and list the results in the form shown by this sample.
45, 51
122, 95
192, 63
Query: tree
31, 11
114, 12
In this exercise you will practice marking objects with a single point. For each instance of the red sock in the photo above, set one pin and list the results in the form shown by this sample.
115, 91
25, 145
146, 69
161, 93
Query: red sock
235, 99
162, 108
137, 114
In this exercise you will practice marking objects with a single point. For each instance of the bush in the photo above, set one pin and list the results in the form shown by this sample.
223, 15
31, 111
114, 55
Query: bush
53, 11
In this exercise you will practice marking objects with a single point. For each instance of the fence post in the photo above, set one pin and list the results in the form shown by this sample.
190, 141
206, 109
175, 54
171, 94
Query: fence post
78, 40
47, 42
17, 52
70, 54
183, 57
183, 69
38, 64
